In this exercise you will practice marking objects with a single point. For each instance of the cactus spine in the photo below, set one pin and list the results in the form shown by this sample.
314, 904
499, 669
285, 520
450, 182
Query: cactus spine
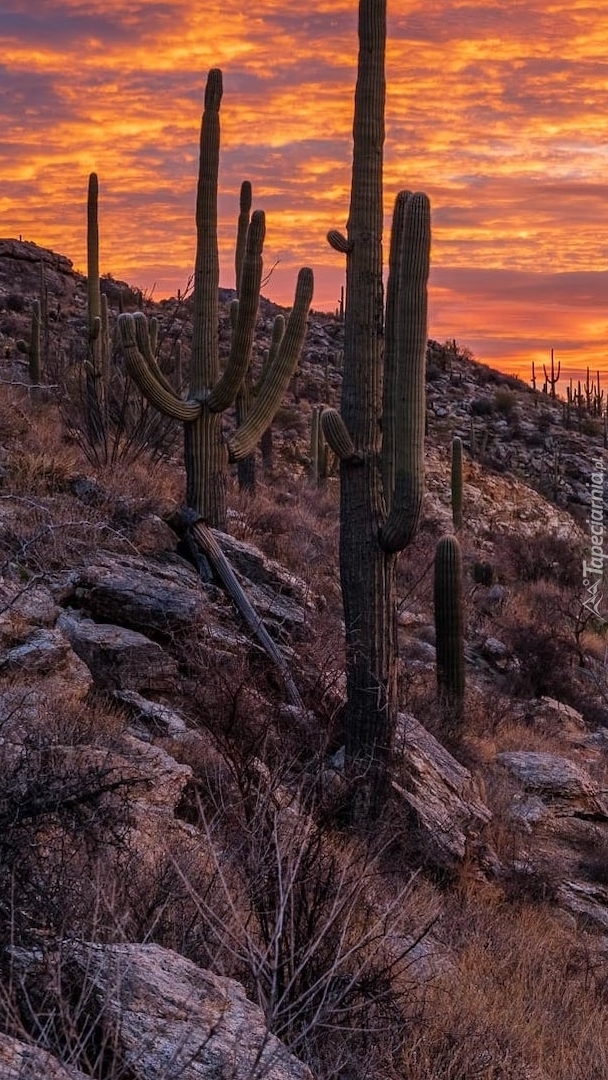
449, 627
457, 482
381, 489
205, 450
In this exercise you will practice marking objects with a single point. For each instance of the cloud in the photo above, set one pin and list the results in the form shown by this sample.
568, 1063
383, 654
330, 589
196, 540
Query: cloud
496, 109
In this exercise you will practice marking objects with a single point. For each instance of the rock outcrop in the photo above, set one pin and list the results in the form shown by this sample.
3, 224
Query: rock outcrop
166, 1017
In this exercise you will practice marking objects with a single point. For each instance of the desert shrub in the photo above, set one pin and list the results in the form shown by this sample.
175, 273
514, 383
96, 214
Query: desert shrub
505, 401
482, 407
15, 302
544, 556
591, 425
544, 421
483, 573
300, 926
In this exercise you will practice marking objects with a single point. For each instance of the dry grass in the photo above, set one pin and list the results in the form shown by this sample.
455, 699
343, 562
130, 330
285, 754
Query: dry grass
524, 1000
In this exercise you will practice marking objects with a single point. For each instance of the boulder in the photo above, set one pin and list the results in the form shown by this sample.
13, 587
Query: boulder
562, 784
169, 1018
22, 607
442, 793
150, 717
118, 658
20, 1061
152, 595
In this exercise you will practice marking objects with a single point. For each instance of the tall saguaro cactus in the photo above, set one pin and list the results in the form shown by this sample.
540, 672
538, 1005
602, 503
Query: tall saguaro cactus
205, 449
382, 475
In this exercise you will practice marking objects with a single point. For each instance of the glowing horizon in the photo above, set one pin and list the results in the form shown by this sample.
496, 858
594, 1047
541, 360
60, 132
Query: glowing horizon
496, 110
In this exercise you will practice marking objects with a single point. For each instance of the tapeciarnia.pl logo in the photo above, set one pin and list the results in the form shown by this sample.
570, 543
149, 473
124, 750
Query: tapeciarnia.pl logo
593, 570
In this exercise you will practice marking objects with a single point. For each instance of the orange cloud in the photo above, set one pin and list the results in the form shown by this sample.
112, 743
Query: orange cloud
496, 110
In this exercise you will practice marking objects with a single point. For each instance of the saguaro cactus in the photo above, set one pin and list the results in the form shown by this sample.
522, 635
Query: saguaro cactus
33, 349
457, 482
552, 379
381, 485
206, 450
449, 627
94, 364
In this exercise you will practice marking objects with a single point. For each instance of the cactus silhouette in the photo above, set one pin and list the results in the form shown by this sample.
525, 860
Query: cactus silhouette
206, 451
382, 483
553, 378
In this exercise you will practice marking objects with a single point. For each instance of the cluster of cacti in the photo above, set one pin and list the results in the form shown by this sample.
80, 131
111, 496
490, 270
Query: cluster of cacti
594, 395
383, 390
449, 630
456, 484
210, 394
587, 399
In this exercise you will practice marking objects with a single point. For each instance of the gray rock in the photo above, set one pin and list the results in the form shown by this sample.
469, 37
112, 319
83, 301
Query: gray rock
43, 652
118, 659
442, 793
493, 649
158, 719
19, 1061
557, 780
171, 1019
150, 595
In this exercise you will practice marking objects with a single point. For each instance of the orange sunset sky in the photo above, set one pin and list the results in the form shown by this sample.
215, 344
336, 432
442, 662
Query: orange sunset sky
498, 109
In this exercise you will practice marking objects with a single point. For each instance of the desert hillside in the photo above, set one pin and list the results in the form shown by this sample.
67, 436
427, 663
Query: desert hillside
183, 893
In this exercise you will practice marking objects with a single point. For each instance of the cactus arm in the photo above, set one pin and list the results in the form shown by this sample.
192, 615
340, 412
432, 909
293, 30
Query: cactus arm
391, 348
225, 391
144, 344
241, 231
406, 504
339, 242
106, 341
153, 335
277, 378
278, 333
337, 436
165, 401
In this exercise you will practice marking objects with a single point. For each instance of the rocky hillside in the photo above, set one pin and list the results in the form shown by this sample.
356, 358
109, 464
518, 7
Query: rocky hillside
179, 893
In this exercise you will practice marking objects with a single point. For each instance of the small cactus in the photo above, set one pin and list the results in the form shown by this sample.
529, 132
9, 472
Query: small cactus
449, 627
457, 482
